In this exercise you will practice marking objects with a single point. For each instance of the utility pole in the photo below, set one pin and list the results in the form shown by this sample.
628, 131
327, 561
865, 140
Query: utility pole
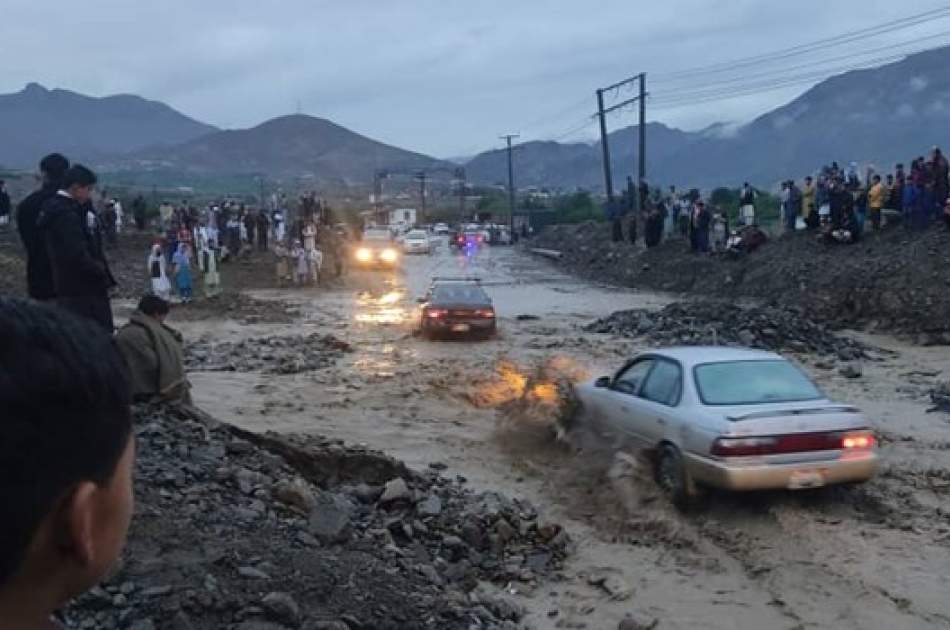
608, 177
260, 181
642, 160
460, 176
511, 183
378, 195
421, 176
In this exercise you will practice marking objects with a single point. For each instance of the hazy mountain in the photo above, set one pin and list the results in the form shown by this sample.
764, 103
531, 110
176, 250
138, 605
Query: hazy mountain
879, 116
555, 165
37, 121
288, 146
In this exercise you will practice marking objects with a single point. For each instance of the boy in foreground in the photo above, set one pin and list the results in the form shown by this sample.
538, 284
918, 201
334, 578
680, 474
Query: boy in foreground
66, 457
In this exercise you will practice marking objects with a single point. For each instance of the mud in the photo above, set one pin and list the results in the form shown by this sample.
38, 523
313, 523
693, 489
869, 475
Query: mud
868, 557
891, 281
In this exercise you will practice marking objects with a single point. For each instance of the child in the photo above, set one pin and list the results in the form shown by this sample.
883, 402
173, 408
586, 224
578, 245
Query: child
208, 260
301, 264
315, 258
283, 268
156, 271
66, 452
182, 262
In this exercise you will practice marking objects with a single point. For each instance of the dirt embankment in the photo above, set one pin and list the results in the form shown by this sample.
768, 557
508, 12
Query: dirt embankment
240, 530
895, 280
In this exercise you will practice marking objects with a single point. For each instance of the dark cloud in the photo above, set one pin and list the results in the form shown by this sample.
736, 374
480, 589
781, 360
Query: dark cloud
441, 76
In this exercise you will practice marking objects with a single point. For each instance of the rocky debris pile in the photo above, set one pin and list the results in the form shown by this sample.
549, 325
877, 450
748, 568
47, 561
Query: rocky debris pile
234, 305
940, 397
270, 355
237, 530
892, 280
709, 322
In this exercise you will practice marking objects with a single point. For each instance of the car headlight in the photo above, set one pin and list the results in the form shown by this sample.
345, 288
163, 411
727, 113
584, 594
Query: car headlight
364, 255
389, 255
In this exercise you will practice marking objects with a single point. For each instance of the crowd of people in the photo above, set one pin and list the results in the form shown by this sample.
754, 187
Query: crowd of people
838, 204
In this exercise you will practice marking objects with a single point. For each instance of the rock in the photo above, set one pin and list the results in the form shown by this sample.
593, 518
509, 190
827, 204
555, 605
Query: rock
239, 447
395, 490
252, 573
366, 493
281, 607
614, 585
430, 573
295, 493
851, 370
503, 607
637, 621
432, 506
328, 523
504, 530
142, 624
326, 625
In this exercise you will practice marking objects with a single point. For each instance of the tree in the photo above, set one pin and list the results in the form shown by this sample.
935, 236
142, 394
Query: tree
577, 207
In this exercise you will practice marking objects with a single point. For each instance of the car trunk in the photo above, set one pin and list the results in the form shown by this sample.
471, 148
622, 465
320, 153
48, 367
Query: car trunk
783, 419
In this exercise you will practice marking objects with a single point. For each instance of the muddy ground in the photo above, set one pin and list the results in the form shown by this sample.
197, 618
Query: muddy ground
893, 281
871, 556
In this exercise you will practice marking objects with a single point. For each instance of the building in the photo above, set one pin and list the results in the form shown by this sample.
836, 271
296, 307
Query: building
403, 216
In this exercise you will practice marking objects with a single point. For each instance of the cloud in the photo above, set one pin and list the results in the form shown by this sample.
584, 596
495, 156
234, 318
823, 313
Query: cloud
440, 76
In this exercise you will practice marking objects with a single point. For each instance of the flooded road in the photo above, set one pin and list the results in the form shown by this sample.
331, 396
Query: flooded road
869, 557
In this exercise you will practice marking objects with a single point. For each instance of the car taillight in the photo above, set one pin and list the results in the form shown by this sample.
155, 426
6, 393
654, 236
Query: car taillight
436, 313
793, 443
857, 441
487, 313
480, 238
743, 447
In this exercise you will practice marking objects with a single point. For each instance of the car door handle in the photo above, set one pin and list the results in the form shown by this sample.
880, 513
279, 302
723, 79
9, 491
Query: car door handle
661, 421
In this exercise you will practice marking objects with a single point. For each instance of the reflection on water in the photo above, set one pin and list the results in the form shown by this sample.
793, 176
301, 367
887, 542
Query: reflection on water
386, 308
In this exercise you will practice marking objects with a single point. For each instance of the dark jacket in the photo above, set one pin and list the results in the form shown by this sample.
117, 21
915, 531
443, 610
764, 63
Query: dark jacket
39, 277
4, 203
79, 267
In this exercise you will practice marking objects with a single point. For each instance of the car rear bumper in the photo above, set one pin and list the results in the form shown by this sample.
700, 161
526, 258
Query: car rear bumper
449, 325
851, 467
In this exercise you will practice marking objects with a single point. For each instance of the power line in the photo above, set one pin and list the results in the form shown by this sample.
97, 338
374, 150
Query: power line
801, 49
783, 71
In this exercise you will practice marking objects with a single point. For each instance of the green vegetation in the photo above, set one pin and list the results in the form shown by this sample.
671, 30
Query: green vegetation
768, 207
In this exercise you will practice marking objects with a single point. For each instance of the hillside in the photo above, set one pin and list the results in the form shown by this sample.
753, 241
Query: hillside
877, 116
36, 121
554, 165
288, 146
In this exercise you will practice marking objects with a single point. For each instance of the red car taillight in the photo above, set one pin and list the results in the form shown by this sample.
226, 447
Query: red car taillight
793, 443
486, 313
436, 313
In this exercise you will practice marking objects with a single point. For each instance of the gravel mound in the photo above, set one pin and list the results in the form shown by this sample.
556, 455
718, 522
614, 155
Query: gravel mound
270, 355
238, 306
893, 280
237, 530
707, 322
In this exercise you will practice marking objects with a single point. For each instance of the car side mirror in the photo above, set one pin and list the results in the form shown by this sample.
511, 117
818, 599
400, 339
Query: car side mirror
421, 300
603, 382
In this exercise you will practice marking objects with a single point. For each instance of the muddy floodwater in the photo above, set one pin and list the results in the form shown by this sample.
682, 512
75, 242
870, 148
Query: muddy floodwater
871, 556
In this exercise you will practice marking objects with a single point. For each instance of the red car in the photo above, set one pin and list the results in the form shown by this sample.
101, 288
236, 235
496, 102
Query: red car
457, 307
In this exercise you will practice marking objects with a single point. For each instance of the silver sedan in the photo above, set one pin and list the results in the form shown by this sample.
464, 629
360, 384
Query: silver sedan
729, 418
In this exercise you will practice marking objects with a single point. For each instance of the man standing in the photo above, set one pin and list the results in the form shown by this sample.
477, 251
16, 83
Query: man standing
39, 278
4, 206
263, 228
747, 205
138, 212
877, 197
809, 208
71, 235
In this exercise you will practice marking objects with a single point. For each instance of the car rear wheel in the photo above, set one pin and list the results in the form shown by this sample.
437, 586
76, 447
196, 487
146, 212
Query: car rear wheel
675, 480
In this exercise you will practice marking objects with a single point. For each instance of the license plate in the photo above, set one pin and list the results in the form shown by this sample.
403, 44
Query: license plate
461, 328
802, 479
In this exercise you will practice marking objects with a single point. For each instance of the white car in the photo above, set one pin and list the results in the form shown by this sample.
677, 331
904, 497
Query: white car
417, 242
729, 418
441, 229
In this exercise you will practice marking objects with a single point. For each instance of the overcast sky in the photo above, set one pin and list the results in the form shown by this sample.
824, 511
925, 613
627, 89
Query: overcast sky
444, 77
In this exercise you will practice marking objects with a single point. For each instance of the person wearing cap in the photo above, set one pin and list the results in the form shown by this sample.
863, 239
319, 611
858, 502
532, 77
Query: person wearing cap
4, 205
39, 278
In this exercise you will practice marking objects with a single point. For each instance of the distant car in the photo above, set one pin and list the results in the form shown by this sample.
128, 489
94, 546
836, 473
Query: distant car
376, 250
441, 229
470, 239
417, 242
729, 418
458, 307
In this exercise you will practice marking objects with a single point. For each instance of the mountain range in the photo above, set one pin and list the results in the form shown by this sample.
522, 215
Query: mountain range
875, 116
878, 116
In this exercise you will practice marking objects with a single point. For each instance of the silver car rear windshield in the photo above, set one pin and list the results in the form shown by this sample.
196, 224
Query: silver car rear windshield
753, 383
